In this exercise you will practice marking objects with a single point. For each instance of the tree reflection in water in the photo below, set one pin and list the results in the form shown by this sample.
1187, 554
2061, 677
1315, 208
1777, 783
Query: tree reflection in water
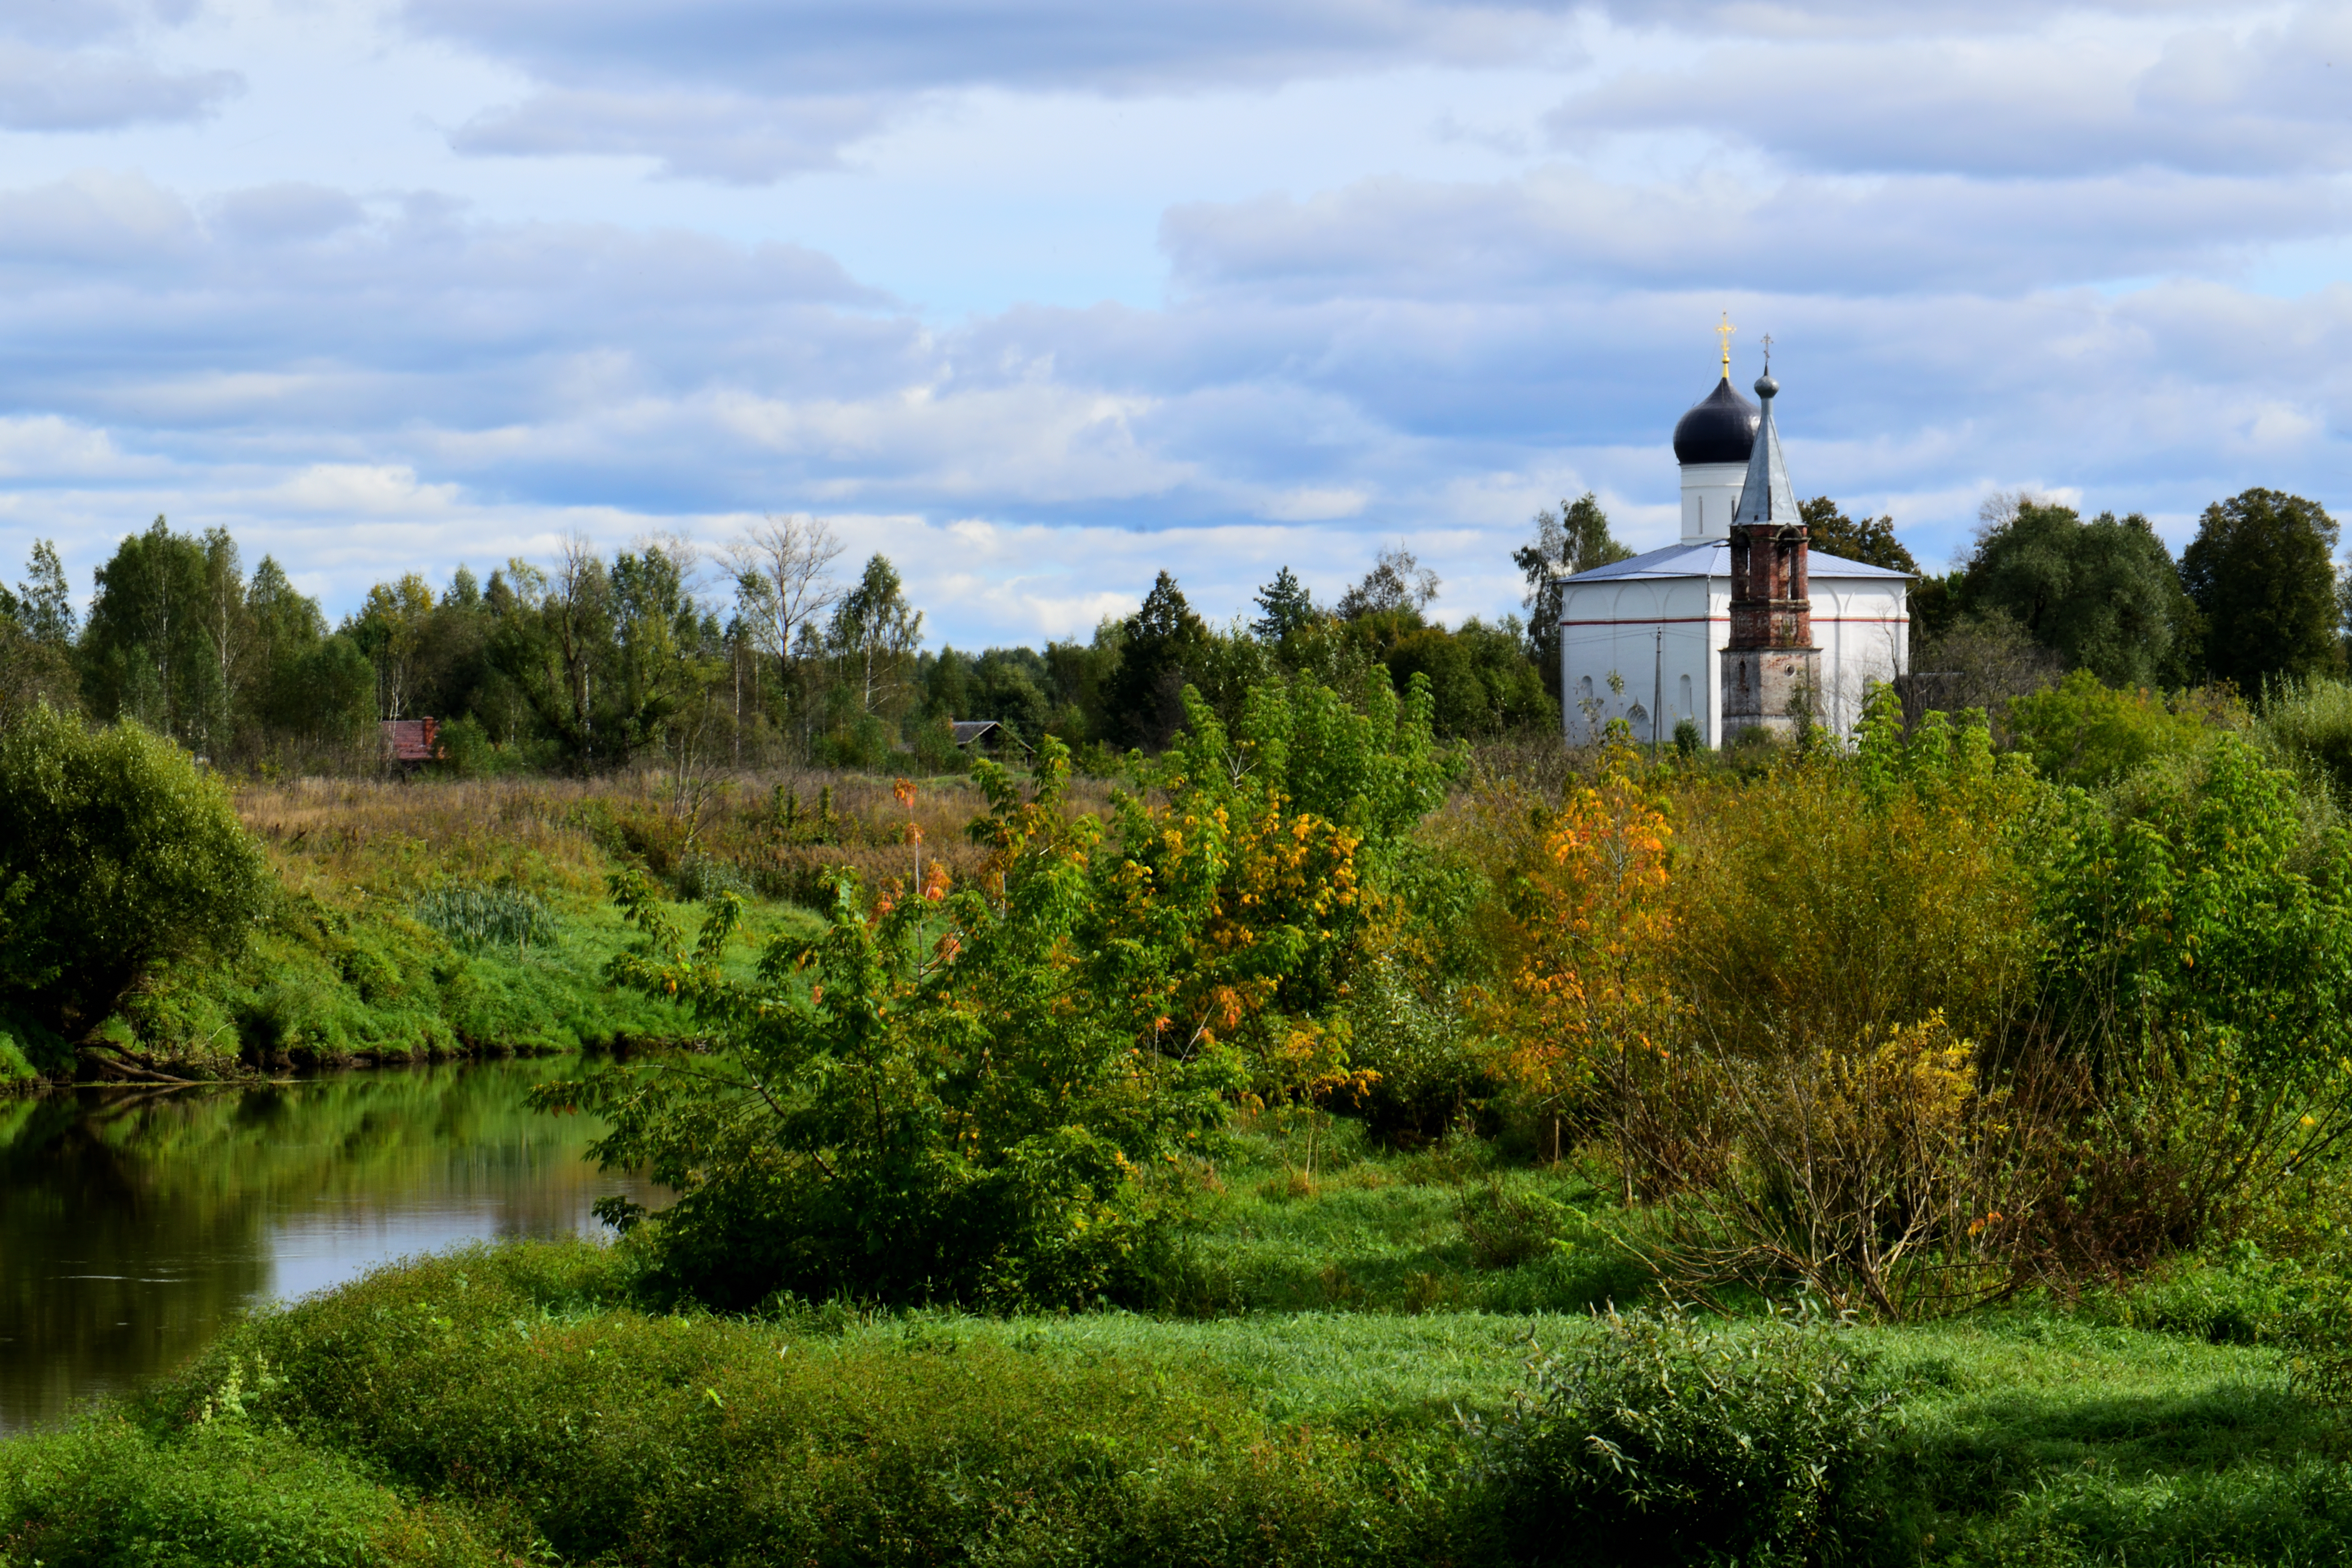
134, 1223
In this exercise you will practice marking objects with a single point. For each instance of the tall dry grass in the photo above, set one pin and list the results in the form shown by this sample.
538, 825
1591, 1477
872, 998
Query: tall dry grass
777, 830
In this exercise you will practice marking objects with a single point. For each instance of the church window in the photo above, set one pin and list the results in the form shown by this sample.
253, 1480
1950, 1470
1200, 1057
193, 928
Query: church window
1684, 702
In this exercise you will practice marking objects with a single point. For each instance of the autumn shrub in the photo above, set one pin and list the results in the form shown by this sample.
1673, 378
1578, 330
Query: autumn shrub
940, 1109
1834, 899
1588, 933
117, 854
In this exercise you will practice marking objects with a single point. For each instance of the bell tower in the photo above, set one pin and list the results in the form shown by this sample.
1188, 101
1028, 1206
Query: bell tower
1771, 668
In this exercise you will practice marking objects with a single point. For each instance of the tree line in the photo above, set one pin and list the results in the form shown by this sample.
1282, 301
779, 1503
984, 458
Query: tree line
765, 651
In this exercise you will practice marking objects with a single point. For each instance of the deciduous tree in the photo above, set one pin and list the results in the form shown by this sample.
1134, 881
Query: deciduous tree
2261, 572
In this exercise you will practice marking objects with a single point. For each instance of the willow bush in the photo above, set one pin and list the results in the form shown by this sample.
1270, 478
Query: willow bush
118, 853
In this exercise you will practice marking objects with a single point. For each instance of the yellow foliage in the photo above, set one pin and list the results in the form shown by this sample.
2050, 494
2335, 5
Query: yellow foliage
1592, 926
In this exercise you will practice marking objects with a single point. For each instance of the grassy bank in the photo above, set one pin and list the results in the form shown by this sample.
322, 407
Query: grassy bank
511, 1403
348, 967
1376, 1310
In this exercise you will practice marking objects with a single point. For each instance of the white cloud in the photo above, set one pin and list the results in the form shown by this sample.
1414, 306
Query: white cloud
46, 89
724, 136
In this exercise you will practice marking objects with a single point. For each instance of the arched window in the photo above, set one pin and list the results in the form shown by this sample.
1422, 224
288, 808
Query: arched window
1684, 704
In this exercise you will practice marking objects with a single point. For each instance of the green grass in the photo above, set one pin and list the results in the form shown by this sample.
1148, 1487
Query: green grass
515, 1397
518, 1400
1312, 1216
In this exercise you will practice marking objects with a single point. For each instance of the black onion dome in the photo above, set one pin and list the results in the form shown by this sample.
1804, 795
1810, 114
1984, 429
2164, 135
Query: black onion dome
1719, 429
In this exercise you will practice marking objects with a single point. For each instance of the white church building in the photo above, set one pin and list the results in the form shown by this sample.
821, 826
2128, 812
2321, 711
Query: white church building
1659, 622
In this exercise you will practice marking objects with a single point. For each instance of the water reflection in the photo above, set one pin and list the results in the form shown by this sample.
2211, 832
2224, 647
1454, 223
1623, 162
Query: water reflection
132, 1226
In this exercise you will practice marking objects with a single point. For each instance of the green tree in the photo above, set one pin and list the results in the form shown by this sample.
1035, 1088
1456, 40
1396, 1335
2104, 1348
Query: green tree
36, 639
2262, 574
1483, 680
1870, 541
1574, 538
873, 637
44, 604
145, 652
1397, 585
604, 658
2103, 595
117, 853
1160, 647
391, 629
1285, 606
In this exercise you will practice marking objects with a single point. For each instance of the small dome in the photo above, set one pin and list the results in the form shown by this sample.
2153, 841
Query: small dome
1719, 429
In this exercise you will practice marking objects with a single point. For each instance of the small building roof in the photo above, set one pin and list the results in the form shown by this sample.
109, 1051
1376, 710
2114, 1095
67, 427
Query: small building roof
967, 730
1712, 558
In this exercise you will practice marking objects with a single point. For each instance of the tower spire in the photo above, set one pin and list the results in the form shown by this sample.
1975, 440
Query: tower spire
1767, 497
1772, 670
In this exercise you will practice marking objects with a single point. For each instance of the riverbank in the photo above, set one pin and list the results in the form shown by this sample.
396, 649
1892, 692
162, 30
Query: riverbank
439, 919
515, 1402
1375, 1320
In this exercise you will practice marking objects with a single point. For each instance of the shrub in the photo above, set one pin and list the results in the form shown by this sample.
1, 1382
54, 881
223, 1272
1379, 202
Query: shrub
117, 853
2202, 975
1508, 1224
2081, 732
1419, 1069
947, 1111
699, 878
1665, 1439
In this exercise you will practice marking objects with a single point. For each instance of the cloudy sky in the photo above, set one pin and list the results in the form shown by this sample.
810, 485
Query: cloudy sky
1039, 295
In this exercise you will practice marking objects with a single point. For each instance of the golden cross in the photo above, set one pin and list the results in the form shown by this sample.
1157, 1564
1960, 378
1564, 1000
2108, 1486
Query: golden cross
1724, 332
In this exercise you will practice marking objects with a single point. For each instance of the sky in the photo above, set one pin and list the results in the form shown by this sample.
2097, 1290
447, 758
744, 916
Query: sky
1040, 297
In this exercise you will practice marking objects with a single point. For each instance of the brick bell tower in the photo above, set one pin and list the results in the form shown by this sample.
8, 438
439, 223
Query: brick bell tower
1772, 670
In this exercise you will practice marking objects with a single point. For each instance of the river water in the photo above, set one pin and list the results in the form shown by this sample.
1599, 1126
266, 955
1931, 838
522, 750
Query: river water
134, 1225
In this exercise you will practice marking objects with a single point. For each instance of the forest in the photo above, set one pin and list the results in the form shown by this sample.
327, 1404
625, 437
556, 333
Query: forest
1261, 1112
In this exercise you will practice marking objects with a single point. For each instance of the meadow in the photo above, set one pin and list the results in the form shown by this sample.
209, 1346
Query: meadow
1323, 1145
521, 1404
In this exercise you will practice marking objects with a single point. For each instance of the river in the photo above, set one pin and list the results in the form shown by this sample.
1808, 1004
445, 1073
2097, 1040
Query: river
134, 1225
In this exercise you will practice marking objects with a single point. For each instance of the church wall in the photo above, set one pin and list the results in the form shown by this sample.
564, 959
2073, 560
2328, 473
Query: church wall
1860, 625
1612, 626
1863, 628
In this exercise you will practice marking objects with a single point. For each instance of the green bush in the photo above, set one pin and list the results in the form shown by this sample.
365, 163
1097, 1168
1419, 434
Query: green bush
1426, 1071
2083, 732
941, 1111
219, 1492
117, 854
698, 878
1665, 1439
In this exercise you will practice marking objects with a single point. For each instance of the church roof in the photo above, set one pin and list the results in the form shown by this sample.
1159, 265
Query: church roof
1719, 429
1766, 496
1712, 558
